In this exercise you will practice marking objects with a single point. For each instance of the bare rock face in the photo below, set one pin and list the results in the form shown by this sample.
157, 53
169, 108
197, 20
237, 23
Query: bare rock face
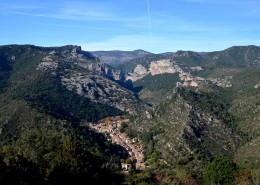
102, 90
167, 66
102, 69
222, 82
257, 85
84, 85
197, 68
156, 67
161, 67
139, 72
47, 63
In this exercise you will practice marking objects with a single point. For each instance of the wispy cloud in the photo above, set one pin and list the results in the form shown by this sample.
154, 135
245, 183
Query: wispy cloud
85, 10
71, 10
83, 27
66, 16
166, 24
182, 24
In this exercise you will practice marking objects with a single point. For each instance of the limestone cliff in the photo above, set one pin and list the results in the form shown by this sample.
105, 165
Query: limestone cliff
85, 75
162, 66
166, 66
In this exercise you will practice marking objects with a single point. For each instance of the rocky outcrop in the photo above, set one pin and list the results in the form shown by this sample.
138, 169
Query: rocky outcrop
257, 85
166, 66
139, 72
102, 90
103, 69
93, 79
155, 67
197, 68
47, 63
74, 54
222, 82
161, 67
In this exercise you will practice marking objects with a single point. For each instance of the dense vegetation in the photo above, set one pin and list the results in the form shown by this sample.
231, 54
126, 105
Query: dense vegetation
153, 88
51, 157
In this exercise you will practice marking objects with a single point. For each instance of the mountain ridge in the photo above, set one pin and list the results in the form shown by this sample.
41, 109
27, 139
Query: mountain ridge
116, 57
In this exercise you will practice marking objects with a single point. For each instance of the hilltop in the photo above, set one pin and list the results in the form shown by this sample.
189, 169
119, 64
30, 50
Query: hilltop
64, 82
118, 57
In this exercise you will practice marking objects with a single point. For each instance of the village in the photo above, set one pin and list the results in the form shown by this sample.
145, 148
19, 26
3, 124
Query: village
111, 126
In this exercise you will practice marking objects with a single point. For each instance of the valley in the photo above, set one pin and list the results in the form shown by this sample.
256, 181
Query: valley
144, 118
130, 92
133, 146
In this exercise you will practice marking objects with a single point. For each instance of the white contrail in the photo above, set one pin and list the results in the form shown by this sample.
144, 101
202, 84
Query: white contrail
149, 16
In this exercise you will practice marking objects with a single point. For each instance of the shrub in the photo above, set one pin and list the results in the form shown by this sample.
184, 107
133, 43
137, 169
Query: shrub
220, 171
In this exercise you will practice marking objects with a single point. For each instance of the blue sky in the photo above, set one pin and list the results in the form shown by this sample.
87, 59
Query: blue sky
198, 25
